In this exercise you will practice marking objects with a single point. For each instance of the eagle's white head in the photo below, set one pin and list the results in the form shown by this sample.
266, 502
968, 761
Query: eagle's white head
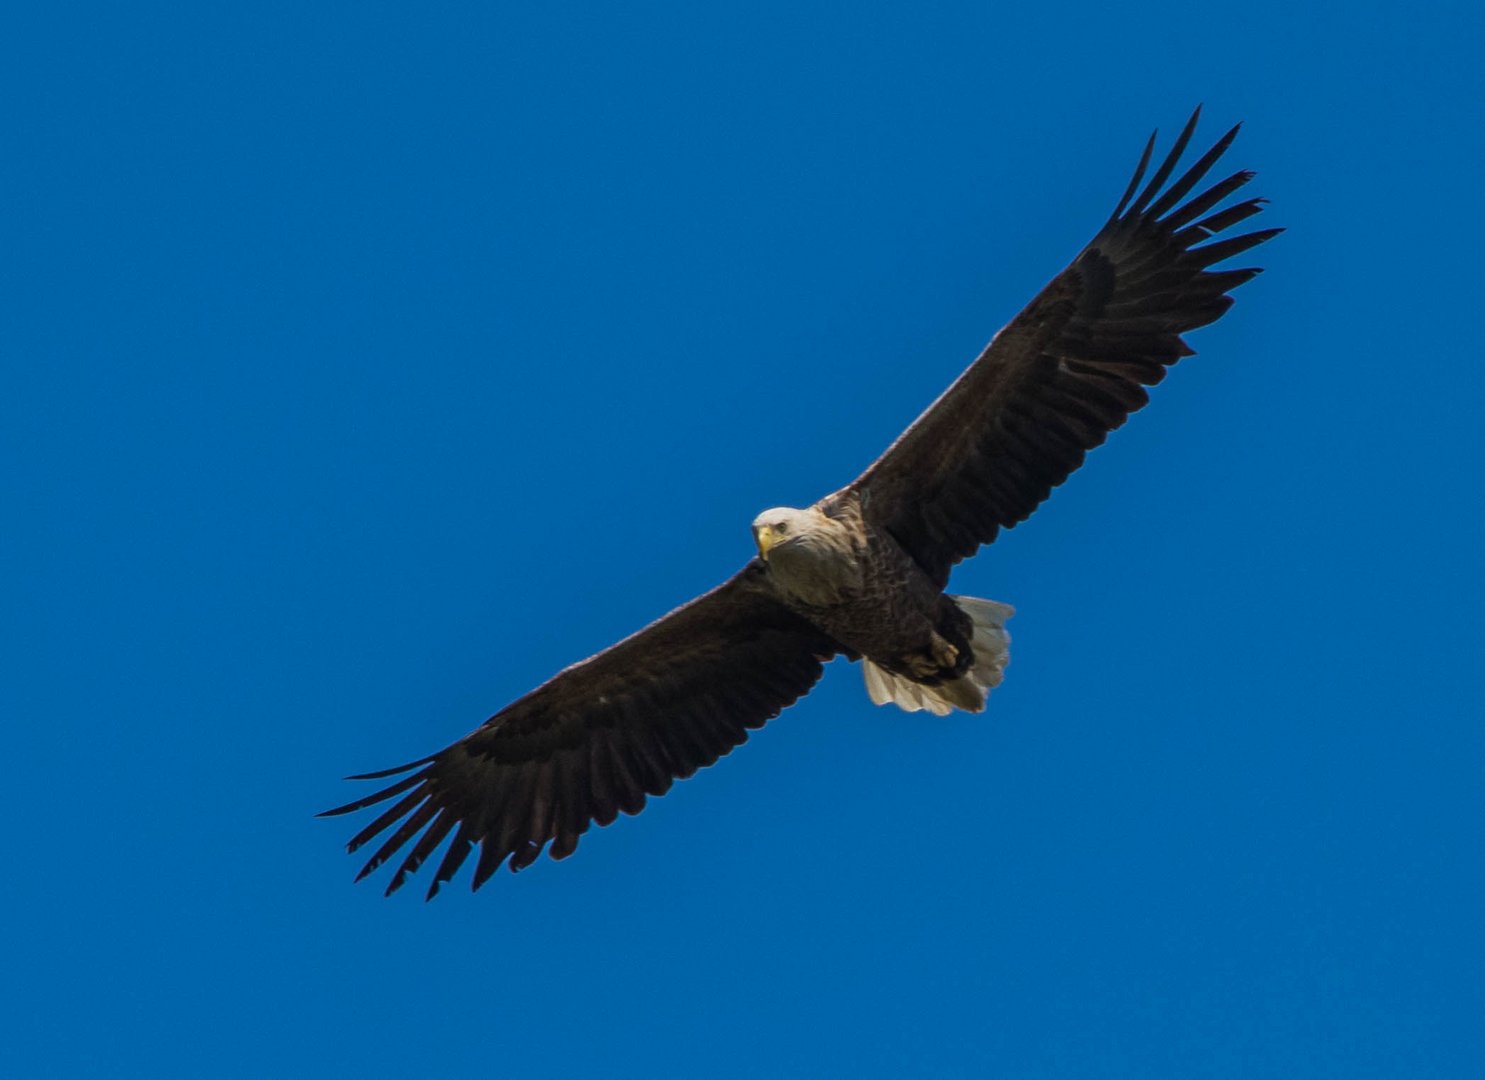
809, 555
782, 525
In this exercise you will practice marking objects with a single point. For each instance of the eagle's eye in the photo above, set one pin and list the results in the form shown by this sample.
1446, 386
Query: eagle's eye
781, 527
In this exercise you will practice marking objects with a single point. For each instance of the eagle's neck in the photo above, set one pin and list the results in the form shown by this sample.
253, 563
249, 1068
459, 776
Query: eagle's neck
821, 565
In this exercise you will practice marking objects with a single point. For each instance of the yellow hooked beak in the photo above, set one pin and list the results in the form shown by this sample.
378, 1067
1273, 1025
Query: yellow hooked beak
764, 537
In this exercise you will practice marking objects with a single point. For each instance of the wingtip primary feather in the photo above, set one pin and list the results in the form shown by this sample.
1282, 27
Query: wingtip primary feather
1139, 174
382, 774
1214, 252
375, 797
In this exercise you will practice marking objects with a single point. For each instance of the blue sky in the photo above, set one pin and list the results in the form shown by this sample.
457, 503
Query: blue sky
364, 365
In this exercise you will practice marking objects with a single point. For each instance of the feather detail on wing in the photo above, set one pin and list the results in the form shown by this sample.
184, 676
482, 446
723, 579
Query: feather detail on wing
600, 736
1068, 369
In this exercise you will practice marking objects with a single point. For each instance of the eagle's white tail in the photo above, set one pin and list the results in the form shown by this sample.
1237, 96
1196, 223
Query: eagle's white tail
992, 649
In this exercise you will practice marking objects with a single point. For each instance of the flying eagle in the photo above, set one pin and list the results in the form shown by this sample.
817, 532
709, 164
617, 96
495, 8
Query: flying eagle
859, 574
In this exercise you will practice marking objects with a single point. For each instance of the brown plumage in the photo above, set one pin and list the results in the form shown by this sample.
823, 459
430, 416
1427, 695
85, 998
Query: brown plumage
861, 573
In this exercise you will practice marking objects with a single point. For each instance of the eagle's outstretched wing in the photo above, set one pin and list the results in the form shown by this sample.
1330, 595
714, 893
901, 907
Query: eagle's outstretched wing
601, 735
1067, 370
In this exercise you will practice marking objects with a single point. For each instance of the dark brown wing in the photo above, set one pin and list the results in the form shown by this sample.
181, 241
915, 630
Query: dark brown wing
1067, 370
601, 735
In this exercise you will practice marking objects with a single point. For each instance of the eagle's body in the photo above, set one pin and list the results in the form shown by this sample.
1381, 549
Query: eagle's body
862, 573
853, 581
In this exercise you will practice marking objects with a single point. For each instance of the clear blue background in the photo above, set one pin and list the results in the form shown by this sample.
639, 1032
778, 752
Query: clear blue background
363, 365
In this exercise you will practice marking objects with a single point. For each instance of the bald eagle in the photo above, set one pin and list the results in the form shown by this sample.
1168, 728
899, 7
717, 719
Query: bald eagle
861, 574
